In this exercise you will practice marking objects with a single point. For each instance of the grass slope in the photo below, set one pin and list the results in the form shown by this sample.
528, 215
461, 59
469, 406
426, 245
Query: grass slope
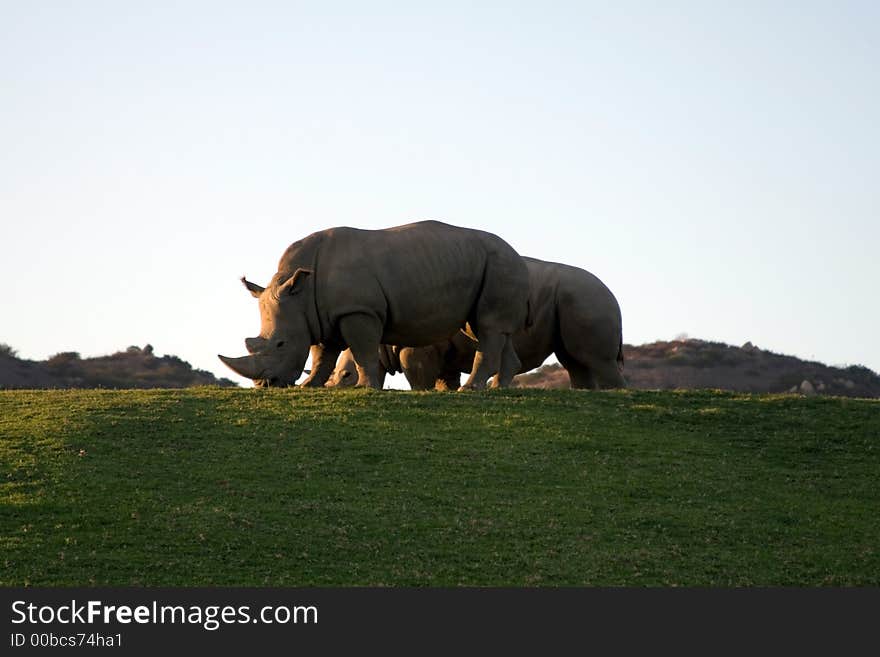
213, 486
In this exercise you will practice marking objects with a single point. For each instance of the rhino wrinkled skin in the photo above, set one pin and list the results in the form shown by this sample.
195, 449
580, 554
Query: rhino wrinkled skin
574, 315
412, 285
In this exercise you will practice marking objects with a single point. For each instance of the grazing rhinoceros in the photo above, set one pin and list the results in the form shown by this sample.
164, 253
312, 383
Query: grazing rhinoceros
573, 314
412, 285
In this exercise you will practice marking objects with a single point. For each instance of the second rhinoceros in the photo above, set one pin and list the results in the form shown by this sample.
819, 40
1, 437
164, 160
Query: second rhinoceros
436, 366
574, 315
411, 285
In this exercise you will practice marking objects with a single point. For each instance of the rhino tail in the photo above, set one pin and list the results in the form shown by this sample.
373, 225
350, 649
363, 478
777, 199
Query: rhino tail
620, 355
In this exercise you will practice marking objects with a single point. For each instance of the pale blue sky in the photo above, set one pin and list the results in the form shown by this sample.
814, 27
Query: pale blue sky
715, 163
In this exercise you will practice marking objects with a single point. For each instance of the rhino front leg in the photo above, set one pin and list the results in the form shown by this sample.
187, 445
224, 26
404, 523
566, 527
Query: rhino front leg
323, 363
362, 332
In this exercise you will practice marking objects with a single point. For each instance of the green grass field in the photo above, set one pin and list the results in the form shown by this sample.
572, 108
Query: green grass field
213, 486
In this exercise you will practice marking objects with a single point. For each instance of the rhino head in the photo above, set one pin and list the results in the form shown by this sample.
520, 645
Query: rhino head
421, 365
278, 355
345, 375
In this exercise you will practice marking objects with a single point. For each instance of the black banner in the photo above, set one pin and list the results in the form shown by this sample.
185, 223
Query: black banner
400, 620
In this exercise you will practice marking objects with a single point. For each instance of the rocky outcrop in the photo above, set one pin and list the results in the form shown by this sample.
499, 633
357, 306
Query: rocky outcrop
692, 363
132, 368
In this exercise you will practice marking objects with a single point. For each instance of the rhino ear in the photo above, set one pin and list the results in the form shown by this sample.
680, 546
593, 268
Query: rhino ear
253, 288
294, 284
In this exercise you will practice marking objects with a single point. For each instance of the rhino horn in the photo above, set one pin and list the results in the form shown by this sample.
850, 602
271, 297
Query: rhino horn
247, 366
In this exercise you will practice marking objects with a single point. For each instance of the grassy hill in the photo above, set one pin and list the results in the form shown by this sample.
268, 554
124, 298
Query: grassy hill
217, 486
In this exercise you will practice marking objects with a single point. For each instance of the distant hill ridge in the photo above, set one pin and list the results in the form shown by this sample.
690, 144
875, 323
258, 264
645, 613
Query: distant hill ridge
691, 363
133, 368
676, 364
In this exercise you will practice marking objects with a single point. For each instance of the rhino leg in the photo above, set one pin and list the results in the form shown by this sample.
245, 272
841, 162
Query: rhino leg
362, 332
608, 375
416, 379
510, 365
580, 374
382, 373
323, 363
449, 380
487, 361
597, 374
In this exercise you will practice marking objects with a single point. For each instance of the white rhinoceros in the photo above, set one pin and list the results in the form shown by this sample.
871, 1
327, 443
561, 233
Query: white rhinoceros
412, 285
574, 315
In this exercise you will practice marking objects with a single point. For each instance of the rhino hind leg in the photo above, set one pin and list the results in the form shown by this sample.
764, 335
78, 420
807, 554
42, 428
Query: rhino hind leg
450, 380
597, 374
496, 358
510, 366
487, 361
581, 376
608, 375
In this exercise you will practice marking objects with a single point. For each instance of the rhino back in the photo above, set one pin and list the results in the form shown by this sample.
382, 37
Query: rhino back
423, 280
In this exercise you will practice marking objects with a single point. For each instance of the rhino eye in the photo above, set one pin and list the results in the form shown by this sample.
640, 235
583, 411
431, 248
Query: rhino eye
279, 344
345, 375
